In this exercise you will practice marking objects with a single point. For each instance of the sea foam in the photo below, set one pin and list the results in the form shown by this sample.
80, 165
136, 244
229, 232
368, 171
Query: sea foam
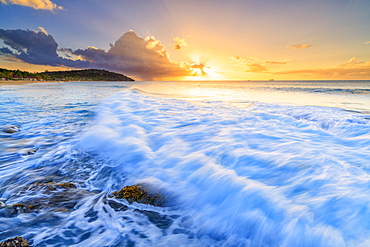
254, 175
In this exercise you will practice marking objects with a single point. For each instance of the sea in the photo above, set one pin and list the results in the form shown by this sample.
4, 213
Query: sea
239, 163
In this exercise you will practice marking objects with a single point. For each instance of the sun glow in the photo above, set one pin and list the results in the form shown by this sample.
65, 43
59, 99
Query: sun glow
200, 72
202, 69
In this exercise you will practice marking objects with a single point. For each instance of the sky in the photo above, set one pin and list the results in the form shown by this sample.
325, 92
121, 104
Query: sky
190, 40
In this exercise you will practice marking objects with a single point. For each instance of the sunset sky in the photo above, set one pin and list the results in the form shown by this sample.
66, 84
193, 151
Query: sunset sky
190, 40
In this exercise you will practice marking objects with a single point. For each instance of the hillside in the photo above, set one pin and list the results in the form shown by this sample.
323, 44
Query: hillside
70, 75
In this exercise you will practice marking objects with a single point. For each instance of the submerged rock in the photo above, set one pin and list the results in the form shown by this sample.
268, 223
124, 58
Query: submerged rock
116, 206
161, 221
54, 196
27, 151
50, 186
15, 242
139, 193
11, 129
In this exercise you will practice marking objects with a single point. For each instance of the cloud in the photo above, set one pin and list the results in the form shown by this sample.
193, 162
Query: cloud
368, 42
36, 4
146, 59
33, 47
275, 62
180, 44
249, 64
5, 50
353, 62
43, 30
256, 68
350, 69
239, 61
300, 46
197, 69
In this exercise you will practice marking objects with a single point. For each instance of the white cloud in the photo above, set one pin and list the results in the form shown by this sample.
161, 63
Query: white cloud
180, 44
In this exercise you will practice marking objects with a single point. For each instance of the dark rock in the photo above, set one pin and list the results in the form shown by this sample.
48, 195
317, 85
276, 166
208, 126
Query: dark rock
31, 151
56, 196
15, 242
161, 221
117, 206
50, 186
27, 151
139, 193
11, 129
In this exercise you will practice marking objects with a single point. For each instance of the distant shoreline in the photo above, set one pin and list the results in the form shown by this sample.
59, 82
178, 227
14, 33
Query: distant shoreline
20, 82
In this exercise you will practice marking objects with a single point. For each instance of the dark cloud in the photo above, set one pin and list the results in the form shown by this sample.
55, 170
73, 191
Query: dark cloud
134, 56
35, 48
5, 50
145, 58
91, 54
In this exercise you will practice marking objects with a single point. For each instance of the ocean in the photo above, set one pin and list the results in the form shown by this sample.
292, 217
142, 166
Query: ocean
254, 163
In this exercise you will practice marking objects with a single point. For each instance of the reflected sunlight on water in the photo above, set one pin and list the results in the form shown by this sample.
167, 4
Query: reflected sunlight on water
350, 95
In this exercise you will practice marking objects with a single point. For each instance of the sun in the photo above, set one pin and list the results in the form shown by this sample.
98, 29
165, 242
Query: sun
201, 71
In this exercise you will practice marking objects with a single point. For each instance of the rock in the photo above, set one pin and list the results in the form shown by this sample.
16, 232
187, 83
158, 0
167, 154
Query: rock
31, 151
46, 196
117, 206
15, 242
50, 186
138, 193
27, 151
161, 221
11, 129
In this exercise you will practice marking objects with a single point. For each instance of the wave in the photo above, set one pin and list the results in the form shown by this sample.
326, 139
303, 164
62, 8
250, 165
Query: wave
262, 175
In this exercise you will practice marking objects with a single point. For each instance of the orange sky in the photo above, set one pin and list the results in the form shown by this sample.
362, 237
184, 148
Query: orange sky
192, 40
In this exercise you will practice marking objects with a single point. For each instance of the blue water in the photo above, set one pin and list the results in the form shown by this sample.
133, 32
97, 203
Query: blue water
242, 163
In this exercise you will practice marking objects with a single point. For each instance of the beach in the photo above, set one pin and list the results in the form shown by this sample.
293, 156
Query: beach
20, 82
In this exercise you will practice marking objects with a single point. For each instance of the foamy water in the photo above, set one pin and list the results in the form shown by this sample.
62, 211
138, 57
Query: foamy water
241, 164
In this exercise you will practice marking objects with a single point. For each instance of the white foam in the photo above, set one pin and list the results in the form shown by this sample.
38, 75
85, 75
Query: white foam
266, 175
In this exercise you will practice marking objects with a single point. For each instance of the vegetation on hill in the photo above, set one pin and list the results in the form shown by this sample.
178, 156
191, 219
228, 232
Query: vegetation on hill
70, 75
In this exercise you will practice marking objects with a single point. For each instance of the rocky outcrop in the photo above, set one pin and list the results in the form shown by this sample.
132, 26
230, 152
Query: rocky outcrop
15, 242
141, 194
49, 196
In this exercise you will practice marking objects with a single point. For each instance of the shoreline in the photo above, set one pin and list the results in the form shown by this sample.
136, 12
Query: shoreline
21, 82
